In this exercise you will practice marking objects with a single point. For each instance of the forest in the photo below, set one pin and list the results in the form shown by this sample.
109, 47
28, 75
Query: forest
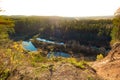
85, 31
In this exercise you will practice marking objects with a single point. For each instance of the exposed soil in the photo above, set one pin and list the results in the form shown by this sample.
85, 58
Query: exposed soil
109, 67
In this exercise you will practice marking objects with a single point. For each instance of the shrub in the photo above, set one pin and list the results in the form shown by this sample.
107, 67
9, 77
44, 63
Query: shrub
36, 57
10, 58
79, 64
99, 57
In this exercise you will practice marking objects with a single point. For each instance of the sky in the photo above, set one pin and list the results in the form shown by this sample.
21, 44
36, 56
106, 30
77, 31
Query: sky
67, 8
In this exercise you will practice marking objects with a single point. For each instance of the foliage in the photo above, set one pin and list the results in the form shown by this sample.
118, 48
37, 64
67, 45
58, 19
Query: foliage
116, 29
17, 46
10, 59
62, 29
6, 28
73, 61
5, 74
99, 57
79, 64
90, 78
37, 57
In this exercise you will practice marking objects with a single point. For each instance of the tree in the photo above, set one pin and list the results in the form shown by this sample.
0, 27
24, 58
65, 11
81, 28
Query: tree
6, 27
115, 34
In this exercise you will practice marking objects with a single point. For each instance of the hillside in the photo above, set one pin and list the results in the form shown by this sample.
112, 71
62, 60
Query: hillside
109, 67
31, 65
54, 71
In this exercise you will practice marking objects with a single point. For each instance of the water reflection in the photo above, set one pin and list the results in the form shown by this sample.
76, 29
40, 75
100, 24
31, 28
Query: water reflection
48, 41
58, 54
27, 45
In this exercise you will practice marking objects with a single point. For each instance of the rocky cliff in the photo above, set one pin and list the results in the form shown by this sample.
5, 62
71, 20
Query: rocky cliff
109, 67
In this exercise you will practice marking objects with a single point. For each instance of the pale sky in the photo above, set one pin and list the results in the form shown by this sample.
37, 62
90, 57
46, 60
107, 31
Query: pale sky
69, 8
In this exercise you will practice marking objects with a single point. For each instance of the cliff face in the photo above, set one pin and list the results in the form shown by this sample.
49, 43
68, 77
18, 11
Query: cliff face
114, 54
109, 67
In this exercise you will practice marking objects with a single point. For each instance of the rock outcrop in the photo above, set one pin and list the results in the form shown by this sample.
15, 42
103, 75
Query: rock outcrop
109, 67
114, 54
57, 71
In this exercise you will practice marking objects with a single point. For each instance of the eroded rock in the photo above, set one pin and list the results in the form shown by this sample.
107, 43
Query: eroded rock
109, 67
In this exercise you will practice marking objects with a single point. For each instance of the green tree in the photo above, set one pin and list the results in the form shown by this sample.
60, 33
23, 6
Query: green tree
116, 29
6, 27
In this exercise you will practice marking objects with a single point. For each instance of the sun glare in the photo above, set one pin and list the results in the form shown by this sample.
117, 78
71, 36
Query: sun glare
60, 7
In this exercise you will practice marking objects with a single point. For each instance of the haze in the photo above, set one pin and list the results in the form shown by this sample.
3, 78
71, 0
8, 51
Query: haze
68, 8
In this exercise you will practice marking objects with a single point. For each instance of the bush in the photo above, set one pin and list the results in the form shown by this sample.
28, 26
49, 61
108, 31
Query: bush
10, 58
99, 57
79, 64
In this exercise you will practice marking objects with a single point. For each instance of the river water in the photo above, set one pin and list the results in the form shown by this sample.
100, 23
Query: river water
27, 45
